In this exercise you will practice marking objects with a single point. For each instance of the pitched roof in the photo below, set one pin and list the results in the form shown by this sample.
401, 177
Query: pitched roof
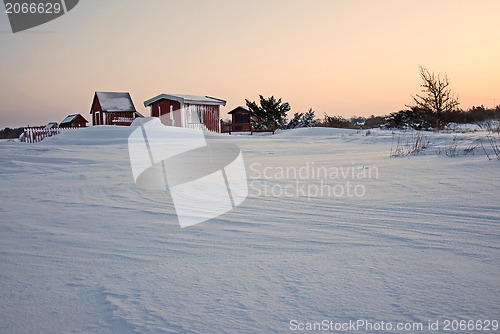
115, 102
190, 99
71, 118
239, 107
51, 125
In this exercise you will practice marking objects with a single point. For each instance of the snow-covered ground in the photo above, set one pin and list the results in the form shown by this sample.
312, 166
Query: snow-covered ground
83, 249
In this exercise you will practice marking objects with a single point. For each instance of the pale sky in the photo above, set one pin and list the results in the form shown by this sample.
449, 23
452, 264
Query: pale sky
338, 57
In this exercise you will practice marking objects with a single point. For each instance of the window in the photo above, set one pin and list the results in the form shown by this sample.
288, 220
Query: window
242, 118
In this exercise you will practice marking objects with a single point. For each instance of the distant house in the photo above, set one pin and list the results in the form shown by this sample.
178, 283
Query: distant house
73, 121
187, 111
51, 125
241, 121
241, 117
112, 108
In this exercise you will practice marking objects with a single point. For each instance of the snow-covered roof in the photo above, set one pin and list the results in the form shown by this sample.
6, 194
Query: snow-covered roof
239, 107
51, 125
71, 118
189, 99
115, 102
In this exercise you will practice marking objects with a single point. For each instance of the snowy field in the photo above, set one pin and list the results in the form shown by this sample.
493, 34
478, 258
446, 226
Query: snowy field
333, 230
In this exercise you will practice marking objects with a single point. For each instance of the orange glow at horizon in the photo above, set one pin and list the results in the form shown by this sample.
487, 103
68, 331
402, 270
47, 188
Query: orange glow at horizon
340, 58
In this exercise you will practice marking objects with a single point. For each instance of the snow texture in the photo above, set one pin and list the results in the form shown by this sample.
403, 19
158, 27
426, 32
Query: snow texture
84, 250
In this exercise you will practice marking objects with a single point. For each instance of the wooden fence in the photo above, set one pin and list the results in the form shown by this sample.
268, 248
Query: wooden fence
241, 127
35, 135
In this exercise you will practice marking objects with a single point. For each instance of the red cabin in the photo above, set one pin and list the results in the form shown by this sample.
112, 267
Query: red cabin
240, 119
187, 111
73, 121
113, 108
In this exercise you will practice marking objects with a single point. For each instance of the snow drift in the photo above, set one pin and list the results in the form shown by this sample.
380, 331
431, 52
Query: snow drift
84, 250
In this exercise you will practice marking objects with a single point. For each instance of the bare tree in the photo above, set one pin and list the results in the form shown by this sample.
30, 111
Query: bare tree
438, 97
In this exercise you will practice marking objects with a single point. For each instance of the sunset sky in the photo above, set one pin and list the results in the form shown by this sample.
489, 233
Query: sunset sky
338, 57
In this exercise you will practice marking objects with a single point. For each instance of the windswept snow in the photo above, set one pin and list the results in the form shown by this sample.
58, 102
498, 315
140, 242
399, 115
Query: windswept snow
83, 249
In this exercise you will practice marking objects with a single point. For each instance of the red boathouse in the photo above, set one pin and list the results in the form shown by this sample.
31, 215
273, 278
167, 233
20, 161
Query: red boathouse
113, 108
187, 111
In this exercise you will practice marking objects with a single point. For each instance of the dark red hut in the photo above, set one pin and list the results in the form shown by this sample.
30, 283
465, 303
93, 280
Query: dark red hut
113, 108
73, 121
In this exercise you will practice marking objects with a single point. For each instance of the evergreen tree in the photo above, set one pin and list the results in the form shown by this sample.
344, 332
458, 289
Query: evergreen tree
308, 120
296, 121
301, 120
271, 113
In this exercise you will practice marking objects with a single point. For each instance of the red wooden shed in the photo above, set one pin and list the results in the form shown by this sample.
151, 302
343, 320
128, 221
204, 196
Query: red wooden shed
188, 111
240, 119
73, 121
113, 108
